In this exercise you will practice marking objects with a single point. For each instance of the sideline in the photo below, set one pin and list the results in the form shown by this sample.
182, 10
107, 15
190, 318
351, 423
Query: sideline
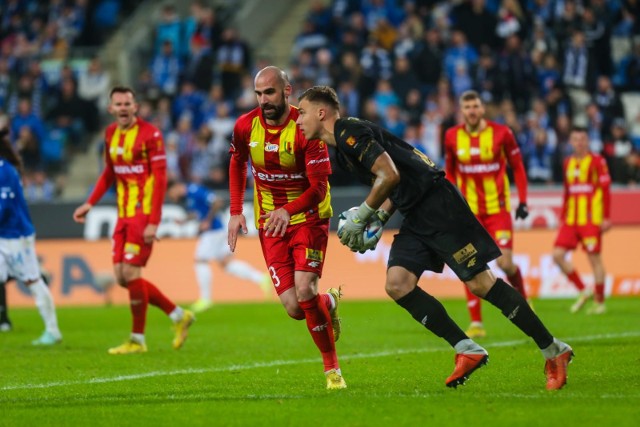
275, 363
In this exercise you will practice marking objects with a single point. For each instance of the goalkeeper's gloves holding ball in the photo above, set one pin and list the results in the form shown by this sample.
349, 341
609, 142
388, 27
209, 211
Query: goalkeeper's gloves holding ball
353, 228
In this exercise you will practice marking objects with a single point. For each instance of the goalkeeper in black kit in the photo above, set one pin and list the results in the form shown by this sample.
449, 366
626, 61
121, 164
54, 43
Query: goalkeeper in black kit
438, 228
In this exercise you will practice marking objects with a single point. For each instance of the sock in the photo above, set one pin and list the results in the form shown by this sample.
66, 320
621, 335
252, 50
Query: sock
432, 315
204, 277
474, 306
243, 270
176, 314
319, 325
44, 302
575, 279
4, 308
515, 308
517, 282
327, 300
158, 299
468, 346
138, 302
139, 338
599, 293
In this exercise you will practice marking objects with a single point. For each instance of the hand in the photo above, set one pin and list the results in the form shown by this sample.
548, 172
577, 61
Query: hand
149, 233
204, 226
522, 211
81, 212
236, 223
351, 232
276, 222
606, 225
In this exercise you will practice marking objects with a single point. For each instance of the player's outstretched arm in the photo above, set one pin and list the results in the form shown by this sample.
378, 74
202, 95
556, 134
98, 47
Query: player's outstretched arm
236, 223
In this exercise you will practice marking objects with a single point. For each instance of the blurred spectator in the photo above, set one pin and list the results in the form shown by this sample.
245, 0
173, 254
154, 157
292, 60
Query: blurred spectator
393, 121
83, 115
598, 41
38, 187
233, 60
427, 60
608, 102
595, 128
540, 159
26, 90
25, 117
201, 158
199, 66
221, 128
189, 103
403, 78
578, 67
517, 75
94, 85
478, 24
169, 30
618, 151
165, 69
28, 146
459, 54
376, 65
511, 20
310, 39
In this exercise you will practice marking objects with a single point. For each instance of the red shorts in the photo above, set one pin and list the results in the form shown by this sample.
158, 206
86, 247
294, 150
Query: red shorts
589, 236
128, 244
302, 248
500, 227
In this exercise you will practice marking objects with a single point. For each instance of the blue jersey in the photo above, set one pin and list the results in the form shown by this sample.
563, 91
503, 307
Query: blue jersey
199, 201
15, 221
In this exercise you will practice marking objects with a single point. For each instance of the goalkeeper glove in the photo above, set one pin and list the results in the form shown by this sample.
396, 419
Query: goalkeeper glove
351, 232
522, 211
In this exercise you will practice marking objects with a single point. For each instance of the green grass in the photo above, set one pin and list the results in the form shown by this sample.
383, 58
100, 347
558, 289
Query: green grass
250, 365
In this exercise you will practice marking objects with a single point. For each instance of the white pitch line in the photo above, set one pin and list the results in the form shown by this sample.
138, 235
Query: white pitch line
276, 363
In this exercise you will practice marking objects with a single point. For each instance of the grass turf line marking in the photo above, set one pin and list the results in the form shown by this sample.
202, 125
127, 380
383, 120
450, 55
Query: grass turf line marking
276, 363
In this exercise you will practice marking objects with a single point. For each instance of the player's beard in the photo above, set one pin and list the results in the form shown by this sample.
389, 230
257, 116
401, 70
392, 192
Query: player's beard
277, 110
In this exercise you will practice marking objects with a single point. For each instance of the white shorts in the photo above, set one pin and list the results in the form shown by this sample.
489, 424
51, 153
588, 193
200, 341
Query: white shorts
212, 245
18, 259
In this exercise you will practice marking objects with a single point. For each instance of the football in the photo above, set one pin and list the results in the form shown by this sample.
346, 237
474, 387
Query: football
372, 231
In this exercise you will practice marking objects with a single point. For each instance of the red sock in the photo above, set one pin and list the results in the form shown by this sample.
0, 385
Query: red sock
516, 281
158, 299
319, 325
138, 302
473, 304
599, 293
575, 279
326, 300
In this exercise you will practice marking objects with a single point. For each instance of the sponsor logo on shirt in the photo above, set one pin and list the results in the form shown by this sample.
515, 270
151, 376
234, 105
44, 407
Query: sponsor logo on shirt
350, 141
580, 189
271, 148
128, 169
316, 161
272, 177
480, 168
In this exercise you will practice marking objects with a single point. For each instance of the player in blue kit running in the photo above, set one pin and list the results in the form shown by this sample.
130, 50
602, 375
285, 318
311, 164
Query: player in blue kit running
18, 257
203, 204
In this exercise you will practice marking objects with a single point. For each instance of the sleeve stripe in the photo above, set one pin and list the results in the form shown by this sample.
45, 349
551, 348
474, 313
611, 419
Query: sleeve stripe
160, 157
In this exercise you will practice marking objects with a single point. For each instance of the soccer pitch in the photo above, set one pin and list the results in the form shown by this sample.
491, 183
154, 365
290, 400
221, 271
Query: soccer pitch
250, 365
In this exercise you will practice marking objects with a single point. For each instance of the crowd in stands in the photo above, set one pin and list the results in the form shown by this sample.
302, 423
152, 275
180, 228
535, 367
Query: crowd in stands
540, 66
50, 100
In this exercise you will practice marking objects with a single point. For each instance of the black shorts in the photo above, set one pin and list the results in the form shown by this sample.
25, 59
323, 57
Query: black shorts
442, 229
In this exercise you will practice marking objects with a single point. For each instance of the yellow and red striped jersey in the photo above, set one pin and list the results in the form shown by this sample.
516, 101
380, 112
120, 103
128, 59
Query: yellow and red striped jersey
135, 160
586, 190
477, 164
282, 159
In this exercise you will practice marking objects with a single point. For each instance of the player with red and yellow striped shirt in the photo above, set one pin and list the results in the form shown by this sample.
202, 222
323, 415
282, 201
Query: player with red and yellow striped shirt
476, 156
585, 216
292, 205
135, 161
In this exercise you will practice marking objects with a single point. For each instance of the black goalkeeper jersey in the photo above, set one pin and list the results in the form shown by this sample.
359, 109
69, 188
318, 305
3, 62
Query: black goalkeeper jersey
360, 142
